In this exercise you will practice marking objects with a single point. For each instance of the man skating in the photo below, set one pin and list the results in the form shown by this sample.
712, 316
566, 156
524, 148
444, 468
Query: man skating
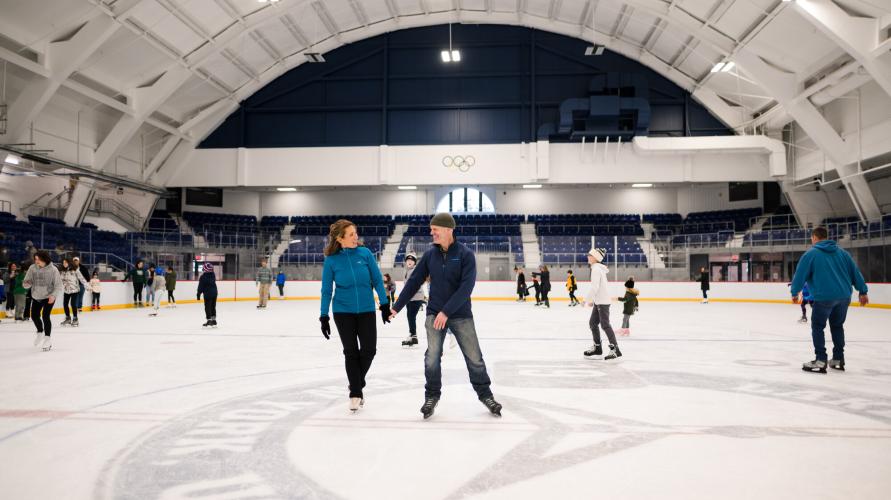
829, 272
599, 298
264, 280
451, 267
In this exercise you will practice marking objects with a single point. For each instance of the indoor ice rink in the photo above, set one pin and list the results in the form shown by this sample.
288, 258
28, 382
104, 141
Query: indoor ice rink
173, 174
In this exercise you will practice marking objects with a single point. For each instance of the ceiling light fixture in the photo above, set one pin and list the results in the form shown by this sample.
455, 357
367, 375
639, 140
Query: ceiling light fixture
594, 50
12, 160
407, 188
286, 189
728, 66
717, 67
314, 57
531, 186
642, 185
451, 55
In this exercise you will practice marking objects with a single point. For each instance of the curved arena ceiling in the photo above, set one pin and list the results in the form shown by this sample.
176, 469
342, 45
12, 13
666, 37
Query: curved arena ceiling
210, 54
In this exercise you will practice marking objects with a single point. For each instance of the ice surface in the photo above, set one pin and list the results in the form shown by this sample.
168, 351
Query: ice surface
709, 401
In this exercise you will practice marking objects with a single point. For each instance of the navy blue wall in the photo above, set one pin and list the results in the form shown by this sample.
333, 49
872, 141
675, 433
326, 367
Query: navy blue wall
394, 89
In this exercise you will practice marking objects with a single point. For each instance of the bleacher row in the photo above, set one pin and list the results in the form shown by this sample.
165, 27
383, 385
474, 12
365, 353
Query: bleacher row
53, 235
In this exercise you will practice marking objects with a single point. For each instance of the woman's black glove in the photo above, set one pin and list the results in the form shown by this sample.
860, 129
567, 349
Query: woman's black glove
326, 327
385, 312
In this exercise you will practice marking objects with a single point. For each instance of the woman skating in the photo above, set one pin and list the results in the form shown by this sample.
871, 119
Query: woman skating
522, 293
71, 281
45, 283
170, 284
703, 284
544, 277
138, 276
354, 271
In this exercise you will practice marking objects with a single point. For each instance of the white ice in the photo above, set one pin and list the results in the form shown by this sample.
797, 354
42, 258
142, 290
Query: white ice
708, 402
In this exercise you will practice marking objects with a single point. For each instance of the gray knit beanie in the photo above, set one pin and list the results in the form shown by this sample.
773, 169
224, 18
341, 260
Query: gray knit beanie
443, 219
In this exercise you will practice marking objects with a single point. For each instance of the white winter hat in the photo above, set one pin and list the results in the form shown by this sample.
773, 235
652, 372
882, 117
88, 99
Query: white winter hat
597, 253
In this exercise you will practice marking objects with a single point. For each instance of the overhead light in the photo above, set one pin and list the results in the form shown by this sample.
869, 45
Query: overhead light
451, 55
294, 241
594, 50
314, 57
407, 188
286, 189
727, 67
267, 1
642, 185
717, 67
12, 159
531, 186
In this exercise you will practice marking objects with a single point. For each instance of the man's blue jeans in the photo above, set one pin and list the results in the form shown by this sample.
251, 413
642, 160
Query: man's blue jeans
835, 311
465, 334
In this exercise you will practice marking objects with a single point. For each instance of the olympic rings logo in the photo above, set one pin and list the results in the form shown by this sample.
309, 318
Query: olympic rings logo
462, 163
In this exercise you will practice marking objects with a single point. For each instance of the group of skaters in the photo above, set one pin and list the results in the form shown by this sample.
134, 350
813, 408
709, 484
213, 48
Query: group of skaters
34, 286
154, 280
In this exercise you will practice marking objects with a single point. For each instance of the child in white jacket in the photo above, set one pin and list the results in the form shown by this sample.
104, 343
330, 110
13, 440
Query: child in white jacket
599, 298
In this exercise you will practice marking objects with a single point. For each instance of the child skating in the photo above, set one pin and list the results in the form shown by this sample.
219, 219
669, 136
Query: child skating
95, 291
806, 298
630, 300
207, 286
45, 283
414, 305
599, 298
571, 287
537, 287
280, 283
158, 284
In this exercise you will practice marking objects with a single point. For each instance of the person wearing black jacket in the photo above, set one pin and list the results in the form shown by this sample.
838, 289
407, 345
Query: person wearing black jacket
207, 285
139, 276
703, 284
451, 267
536, 286
544, 276
521, 285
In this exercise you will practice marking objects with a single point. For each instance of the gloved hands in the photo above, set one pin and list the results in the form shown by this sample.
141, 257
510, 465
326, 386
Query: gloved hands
326, 327
385, 312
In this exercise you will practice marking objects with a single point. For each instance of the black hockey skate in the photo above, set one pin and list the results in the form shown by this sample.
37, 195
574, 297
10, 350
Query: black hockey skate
815, 366
614, 353
429, 406
595, 350
493, 406
213, 322
410, 341
207, 324
837, 364
67, 322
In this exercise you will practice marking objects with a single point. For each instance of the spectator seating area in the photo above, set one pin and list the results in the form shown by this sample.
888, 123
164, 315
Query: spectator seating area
224, 230
53, 235
368, 225
737, 220
704, 240
573, 250
482, 233
587, 224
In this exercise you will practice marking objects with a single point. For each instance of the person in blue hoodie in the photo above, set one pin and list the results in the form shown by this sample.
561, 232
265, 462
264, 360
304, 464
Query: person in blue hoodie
353, 269
806, 298
830, 272
451, 267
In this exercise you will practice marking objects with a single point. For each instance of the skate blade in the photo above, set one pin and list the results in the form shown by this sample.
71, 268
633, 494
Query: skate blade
45, 349
814, 370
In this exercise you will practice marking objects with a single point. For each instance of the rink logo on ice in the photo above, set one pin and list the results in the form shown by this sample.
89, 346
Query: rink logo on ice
301, 443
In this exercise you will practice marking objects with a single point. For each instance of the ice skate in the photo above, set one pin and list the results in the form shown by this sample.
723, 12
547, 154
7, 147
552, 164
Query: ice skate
213, 322
38, 337
207, 324
67, 322
837, 364
410, 341
594, 350
802, 320
815, 366
429, 407
153, 313
47, 343
75, 323
614, 353
493, 406
355, 404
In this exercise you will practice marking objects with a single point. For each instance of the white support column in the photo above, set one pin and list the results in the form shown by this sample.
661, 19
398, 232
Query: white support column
62, 58
859, 36
160, 157
861, 195
784, 87
80, 201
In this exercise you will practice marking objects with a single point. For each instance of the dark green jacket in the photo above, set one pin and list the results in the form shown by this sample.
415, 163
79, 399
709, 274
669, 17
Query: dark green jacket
138, 276
170, 279
630, 300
